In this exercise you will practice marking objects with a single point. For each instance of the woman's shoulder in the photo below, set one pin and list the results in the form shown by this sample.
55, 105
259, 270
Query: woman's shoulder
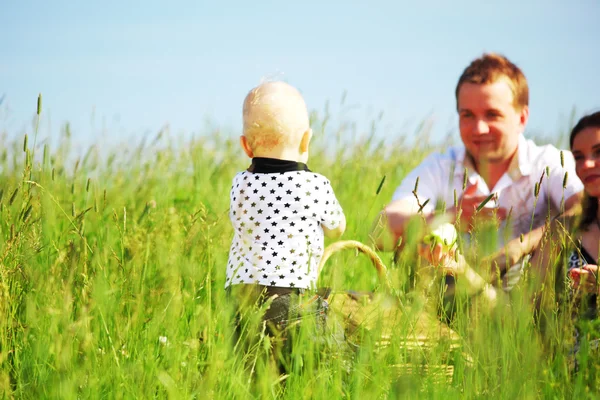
566, 225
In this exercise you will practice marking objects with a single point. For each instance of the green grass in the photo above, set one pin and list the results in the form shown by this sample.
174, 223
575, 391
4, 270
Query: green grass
112, 270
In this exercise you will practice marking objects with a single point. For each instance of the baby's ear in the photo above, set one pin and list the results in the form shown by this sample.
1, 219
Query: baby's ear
246, 146
305, 141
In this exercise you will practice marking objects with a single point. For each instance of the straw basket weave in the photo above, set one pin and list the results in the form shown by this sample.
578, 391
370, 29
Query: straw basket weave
382, 313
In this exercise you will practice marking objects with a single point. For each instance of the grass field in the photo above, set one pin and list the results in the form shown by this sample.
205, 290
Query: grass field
111, 286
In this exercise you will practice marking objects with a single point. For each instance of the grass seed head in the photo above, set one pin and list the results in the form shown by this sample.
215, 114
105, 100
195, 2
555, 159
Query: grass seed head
13, 196
380, 186
27, 212
562, 159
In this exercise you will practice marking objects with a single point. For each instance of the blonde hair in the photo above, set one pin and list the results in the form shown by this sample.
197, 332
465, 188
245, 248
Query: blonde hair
274, 115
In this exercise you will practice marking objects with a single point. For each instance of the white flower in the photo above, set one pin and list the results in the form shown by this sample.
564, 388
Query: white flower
162, 340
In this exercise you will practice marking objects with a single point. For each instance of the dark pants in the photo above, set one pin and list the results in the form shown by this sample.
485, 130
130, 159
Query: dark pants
251, 298
285, 309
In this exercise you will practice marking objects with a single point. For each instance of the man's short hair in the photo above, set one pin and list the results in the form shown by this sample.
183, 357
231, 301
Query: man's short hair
492, 67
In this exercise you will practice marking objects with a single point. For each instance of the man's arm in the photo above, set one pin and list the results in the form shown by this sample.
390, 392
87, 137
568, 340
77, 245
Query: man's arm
393, 220
519, 247
391, 223
415, 196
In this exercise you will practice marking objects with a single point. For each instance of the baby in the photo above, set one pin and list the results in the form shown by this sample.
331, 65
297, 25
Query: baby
280, 210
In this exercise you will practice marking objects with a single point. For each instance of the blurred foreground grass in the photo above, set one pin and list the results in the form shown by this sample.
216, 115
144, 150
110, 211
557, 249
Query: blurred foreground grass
111, 286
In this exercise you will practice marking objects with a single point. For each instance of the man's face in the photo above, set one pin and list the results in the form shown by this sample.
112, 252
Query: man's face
489, 123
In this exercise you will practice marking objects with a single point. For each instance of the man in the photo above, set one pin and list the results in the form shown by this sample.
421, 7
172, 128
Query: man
523, 182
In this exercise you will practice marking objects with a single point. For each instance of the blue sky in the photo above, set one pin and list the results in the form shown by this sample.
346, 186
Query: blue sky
122, 69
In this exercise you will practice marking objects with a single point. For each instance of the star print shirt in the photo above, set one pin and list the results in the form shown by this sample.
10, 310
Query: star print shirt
278, 210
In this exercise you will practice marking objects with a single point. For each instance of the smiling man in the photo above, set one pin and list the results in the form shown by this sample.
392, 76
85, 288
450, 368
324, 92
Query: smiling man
495, 159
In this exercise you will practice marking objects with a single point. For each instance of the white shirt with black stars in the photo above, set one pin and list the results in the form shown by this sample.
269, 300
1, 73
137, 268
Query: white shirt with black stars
277, 219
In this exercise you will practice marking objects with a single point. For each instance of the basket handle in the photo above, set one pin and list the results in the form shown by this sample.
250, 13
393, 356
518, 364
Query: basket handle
353, 244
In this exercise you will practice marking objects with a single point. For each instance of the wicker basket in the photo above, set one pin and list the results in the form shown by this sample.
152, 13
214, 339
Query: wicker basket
382, 313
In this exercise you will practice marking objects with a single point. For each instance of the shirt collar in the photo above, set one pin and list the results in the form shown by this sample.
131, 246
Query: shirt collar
524, 163
264, 165
520, 165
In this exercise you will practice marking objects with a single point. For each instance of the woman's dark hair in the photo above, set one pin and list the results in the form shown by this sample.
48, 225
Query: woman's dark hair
589, 210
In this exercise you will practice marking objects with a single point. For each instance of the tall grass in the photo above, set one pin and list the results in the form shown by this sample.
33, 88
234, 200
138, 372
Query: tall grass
112, 270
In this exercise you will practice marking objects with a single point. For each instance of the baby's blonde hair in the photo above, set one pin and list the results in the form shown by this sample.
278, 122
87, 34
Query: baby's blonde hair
275, 115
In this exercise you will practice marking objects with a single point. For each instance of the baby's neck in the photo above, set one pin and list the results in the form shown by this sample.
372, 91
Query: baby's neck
281, 154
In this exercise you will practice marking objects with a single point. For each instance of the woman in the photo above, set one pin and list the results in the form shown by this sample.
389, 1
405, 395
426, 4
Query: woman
572, 250
581, 288
582, 262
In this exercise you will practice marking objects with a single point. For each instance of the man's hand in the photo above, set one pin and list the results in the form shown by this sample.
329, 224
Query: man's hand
447, 260
467, 209
439, 247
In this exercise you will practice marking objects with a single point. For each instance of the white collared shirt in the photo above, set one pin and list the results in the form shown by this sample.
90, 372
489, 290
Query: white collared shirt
441, 175
278, 221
